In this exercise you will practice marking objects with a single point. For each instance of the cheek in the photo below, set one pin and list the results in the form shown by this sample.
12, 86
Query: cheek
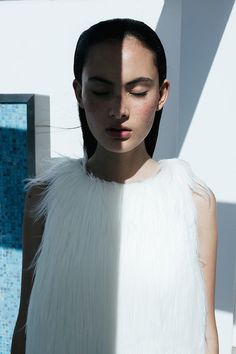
147, 112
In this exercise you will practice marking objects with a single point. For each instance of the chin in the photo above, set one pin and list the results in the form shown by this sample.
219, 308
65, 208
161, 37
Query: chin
121, 147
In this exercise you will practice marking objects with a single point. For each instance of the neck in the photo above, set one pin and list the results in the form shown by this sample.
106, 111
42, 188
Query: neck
120, 167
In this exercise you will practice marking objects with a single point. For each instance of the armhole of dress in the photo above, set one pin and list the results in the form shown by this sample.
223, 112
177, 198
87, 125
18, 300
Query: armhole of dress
196, 184
199, 187
37, 212
44, 181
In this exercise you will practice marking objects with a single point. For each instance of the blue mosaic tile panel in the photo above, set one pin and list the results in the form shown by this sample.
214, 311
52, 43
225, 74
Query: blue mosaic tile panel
13, 170
10, 275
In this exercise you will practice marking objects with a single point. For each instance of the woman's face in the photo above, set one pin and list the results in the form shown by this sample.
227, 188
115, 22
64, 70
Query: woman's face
120, 93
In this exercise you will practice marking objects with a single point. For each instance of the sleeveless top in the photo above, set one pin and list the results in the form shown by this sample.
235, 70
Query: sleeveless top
118, 269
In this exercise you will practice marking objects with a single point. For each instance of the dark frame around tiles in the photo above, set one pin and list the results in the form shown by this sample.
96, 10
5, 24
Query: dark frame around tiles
29, 100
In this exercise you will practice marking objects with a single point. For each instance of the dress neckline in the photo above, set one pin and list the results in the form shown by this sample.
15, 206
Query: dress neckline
83, 162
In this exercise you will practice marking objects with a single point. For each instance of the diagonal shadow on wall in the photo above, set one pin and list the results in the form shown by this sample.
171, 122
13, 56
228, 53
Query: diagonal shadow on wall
202, 27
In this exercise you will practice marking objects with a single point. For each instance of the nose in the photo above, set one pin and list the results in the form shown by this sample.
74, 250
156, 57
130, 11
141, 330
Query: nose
119, 108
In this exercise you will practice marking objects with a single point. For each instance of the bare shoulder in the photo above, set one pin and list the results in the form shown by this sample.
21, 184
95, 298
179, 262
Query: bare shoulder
208, 239
34, 195
206, 222
205, 204
31, 238
32, 232
32, 226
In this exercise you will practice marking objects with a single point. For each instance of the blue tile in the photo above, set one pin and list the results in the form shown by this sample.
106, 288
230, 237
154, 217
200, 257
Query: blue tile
13, 171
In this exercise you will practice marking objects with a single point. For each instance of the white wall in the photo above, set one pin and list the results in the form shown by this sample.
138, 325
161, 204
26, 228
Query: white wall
207, 130
37, 47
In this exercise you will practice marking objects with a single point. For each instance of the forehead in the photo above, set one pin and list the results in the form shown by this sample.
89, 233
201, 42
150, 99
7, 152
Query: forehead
128, 57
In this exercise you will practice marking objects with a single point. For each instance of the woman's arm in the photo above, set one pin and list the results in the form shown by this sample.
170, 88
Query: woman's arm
207, 235
32, 234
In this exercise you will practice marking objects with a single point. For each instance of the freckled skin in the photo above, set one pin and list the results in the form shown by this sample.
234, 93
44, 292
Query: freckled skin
140, 111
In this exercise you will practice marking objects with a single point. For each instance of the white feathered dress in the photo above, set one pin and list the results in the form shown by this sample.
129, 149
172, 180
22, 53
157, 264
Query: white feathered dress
118, 270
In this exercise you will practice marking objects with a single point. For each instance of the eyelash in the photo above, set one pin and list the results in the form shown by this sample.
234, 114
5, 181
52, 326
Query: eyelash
140, 94
137, 94
100, 93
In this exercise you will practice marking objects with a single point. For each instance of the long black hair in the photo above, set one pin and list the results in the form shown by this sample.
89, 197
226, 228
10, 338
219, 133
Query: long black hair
118, 29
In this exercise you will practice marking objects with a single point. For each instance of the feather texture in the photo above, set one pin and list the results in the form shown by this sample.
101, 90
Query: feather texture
118, 270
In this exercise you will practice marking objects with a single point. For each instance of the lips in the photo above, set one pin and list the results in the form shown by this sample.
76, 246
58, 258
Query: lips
119, 132
120, 128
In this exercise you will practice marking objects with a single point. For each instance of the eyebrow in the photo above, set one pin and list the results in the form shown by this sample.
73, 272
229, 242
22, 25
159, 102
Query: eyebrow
133, 82
100, 79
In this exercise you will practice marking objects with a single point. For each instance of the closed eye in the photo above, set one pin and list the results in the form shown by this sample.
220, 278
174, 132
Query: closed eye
100, 93
104, 93
139, 94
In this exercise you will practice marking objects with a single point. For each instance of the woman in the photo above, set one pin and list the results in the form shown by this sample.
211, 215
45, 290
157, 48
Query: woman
127, 259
